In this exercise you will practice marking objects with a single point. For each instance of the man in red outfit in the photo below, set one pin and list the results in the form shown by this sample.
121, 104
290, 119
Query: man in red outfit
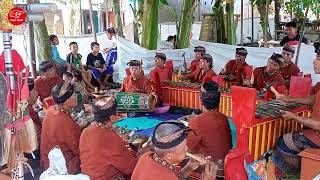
288, 68
199, 51
136, 82
236, 67
160, 73
204, 73
43, 85
169, 140
212, 135
269, 75
60, 129
103, 153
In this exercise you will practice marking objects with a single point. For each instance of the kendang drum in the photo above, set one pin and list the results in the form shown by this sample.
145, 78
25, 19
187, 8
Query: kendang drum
135, 102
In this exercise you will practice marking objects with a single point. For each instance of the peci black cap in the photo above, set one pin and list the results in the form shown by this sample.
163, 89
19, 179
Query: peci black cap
289, 49
277, 58
200, 49
134, 63
169, 134
161, 56
241, 51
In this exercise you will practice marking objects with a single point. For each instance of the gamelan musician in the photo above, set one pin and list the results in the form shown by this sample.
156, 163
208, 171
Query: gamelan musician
268, 75
136, 82
60, 129
316, 87
160, 73
42, 86
199, 51
212, 135
204, 72
236, 67
103, 153
286, 152
288, 68
169, 140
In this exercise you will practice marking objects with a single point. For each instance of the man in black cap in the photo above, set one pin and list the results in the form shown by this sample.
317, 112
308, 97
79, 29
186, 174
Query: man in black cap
42, 86
169, 140
316, 62
288, 68
103, 153
199, 51
136, 82
236, 67
292, 37
160, 73
286, 152
212, 135
59, 129
204, 72
270, 74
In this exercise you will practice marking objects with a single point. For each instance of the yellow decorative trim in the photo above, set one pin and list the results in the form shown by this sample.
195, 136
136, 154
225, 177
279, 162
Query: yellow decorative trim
264, 127
250, 139
256, 146
269, 136
275, 133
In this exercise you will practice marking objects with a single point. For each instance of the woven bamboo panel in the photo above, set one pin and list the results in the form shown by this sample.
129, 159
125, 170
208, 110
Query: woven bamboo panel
208, 31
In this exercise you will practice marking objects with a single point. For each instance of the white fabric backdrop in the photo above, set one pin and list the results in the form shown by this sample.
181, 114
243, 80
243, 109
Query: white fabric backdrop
128, 50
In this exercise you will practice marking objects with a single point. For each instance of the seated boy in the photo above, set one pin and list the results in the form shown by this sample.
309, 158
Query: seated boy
96, 64
74, 63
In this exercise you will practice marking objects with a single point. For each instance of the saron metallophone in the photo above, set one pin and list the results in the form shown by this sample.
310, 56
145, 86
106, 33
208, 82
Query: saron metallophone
273, 108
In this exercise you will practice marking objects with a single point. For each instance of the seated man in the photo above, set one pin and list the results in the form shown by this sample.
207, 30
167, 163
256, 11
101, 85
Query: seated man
96, 63
59, 129
204, 73
292, 37
268, 75
199, 51
286, 153
169, 140
103, 153
316, 87
42, 87
236, 66
136, 82
288, 68
212, 135
160, 73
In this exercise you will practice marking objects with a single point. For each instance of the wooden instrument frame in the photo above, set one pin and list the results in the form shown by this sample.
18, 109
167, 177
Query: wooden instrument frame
255, 136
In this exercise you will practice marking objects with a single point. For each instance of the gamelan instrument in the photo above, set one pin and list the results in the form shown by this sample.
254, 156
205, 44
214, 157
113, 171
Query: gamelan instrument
135, 102
187, 95
176, 75
201, 160
228, 77
273, 108
182, 94
257, 128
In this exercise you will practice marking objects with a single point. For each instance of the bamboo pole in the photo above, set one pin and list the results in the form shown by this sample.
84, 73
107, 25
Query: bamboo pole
302, 35
265, 37
241, 40
150, 24
118, 23
92, 22
252, 24
185, 24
